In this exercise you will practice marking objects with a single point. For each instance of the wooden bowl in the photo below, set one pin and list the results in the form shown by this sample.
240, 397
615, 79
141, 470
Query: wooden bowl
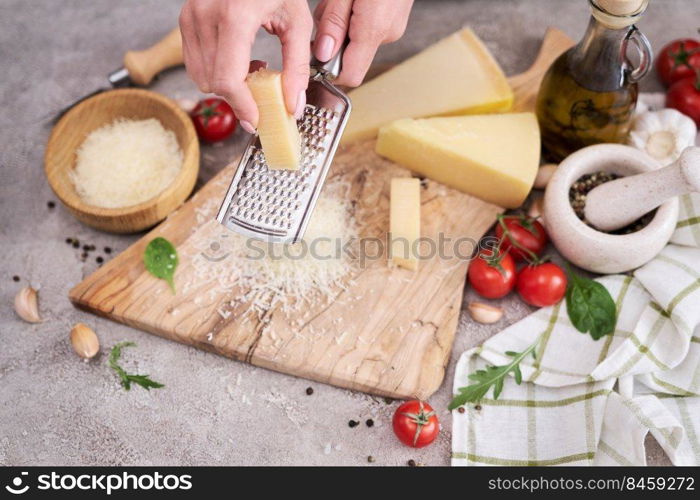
102, 109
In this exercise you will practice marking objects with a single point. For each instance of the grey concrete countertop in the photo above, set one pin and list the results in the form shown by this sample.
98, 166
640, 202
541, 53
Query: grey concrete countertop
59, 410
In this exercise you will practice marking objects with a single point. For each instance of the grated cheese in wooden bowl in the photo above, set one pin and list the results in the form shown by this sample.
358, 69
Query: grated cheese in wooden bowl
125, 163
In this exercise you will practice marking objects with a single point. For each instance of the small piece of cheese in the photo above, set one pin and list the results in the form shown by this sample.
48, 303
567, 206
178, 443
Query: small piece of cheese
404, 221
277, 129
456, 75
493, 157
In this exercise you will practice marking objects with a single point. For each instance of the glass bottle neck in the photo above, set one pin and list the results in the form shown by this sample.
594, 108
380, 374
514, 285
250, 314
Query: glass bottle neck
599, 62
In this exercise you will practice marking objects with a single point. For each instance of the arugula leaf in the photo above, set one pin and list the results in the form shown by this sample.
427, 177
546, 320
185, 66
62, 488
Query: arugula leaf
160, 259
590, 306
127, 378
491, 376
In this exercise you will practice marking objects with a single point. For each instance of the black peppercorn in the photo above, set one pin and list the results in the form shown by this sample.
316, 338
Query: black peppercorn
309, 391
461, 409
69, 240
580, 189
15, 278
370, 459
369, 422
86, 248
51, 204
108, 250
99, 259
76, 244
353, 423
411, 463
477, 407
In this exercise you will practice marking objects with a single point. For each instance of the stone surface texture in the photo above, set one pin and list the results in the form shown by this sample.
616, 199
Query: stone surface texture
59, 410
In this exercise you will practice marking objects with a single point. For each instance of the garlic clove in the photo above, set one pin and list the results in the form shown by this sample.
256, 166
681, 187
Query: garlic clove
663, 134
27, 305
544, 174
661, 145
187, 104
484, 313
84, 341
536, 210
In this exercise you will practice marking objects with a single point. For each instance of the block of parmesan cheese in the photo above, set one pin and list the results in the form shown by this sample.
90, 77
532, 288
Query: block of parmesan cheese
456, 75
493, 157
277, 129
404, 221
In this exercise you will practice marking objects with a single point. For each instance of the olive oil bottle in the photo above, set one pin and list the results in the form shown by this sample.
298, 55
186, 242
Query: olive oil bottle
589, 94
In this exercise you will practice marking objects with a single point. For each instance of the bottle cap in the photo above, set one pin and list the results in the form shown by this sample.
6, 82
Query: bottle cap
618, 14
620, 7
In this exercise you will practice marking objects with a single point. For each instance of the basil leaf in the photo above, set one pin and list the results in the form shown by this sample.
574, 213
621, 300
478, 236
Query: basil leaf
160, 259
590, 306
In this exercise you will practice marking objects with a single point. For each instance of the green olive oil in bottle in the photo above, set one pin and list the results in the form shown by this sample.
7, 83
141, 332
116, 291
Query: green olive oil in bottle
589, 94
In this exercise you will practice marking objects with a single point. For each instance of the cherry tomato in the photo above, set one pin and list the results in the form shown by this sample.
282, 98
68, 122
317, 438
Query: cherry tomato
213, 119
677, 60
492, 278
416, 424
684, 95
541, 285
526, 231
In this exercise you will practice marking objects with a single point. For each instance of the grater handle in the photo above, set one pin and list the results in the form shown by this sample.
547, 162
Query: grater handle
332, 68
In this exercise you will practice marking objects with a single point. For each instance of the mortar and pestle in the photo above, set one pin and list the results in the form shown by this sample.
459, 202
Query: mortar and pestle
643, 186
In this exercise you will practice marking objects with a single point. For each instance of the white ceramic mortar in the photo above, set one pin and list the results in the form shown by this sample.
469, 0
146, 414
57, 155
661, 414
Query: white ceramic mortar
594, 250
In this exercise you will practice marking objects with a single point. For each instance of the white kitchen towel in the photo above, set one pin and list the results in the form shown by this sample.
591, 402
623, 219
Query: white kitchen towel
587, 402
566, 410
688, 228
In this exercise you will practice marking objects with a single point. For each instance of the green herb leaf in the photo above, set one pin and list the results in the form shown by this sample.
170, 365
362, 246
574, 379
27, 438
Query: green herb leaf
491, 376
127, 378
590, 306
160, 259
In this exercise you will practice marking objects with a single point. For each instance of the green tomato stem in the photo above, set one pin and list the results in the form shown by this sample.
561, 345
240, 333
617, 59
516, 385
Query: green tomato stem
531, 257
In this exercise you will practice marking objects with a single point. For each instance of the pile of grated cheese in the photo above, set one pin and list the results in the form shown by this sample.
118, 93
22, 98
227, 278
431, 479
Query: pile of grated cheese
262, 276
125, 163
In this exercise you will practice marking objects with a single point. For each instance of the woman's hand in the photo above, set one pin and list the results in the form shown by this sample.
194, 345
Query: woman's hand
218, 36
217, 39
368, 24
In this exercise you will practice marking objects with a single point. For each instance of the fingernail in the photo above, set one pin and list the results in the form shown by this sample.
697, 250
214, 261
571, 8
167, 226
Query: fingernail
301, 104
247, 126
324, 48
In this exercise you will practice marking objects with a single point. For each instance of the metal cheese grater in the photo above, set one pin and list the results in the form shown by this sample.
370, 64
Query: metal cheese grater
276, 205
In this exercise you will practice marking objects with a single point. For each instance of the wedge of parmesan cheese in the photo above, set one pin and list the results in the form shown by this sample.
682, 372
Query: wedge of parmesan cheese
279, 135
456, 75
493, 157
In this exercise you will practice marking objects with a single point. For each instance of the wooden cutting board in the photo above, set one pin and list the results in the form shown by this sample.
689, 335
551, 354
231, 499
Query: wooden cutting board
389, 333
